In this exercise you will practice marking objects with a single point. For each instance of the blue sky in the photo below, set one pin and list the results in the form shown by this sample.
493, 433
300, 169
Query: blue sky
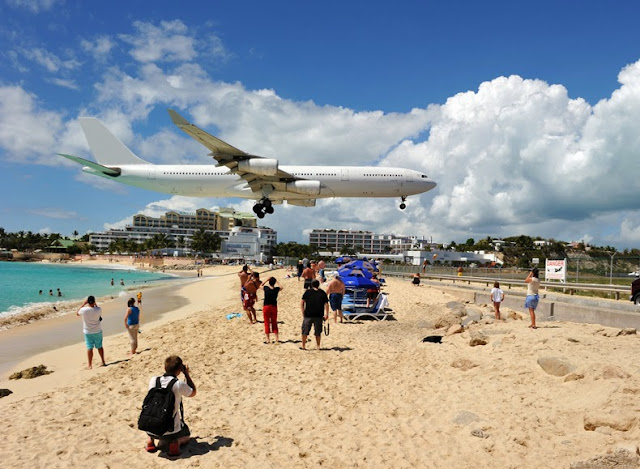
525, 114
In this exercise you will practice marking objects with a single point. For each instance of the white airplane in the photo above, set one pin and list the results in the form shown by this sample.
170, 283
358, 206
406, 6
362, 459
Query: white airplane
239, 174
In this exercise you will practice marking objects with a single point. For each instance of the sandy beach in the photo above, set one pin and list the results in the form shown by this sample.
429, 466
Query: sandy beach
375, 395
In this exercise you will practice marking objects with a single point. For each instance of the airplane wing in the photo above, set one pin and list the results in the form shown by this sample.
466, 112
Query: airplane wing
255, 170
97, 168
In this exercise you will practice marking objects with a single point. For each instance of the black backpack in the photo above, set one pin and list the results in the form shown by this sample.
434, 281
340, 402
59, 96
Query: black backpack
157, 414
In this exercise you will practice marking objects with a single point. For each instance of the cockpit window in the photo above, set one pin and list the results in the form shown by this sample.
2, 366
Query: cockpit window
424, 176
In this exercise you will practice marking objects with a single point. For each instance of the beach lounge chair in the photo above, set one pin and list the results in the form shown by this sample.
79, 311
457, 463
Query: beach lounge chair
379, 311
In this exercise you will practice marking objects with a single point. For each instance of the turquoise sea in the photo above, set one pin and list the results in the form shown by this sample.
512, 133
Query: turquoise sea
21, 281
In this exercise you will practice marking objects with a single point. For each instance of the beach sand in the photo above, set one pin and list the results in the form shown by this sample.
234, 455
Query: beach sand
376, 395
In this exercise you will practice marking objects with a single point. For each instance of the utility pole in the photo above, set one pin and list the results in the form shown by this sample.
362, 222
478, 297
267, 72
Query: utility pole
611, 270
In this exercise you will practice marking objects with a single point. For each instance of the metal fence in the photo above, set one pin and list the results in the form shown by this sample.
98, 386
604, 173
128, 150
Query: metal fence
614, 270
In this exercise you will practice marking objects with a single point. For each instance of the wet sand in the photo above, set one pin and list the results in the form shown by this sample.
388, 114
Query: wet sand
21, 342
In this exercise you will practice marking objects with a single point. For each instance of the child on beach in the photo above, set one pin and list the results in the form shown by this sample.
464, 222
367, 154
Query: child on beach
132, 323
497, 296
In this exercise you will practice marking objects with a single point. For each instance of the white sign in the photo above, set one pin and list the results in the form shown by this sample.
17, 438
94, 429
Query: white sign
535, 261
555, 269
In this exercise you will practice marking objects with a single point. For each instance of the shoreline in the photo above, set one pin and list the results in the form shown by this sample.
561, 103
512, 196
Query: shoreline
58, 342
17, 315
22, 340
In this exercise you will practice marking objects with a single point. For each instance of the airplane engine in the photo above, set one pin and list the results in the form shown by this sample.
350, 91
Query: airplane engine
260, 166
304, 187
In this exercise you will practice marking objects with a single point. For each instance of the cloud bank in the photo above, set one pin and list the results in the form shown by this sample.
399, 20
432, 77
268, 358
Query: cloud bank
515, 156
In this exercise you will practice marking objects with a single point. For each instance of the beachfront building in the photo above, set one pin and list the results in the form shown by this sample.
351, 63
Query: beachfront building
365, 242
442, 256
249, 243
362, 241
179, 228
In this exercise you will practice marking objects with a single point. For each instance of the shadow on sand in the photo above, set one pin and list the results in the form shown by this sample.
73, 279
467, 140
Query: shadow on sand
199, 448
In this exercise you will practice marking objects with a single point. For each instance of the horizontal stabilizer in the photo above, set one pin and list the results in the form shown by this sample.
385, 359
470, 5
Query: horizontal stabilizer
95, 166
105, 146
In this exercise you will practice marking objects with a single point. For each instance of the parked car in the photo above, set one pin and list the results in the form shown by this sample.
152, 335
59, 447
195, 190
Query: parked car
635, 292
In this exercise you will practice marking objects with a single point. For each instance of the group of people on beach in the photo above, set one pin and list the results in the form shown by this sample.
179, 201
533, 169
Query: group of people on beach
308, 270
314, 304
91, 315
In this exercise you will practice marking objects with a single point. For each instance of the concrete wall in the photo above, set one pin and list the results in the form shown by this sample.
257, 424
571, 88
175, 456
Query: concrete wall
551, 310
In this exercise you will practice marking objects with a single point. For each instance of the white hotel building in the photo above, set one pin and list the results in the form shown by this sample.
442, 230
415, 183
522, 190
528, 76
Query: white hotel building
180, 227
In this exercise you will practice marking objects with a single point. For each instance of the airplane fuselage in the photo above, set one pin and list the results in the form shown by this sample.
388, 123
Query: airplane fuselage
213, 181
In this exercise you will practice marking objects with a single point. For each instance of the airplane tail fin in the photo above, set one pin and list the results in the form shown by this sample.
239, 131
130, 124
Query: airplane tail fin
108, 150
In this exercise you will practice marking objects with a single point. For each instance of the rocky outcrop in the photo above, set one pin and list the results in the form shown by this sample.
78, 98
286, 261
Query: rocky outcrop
30, 373
556, 366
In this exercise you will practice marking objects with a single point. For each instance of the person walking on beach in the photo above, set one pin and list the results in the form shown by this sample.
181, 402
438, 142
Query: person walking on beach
180, 434
139, 295
132, 323
335, 291
91, 316
314, 302
497, 296
244, 275
300, 269
251, 295
270, 308
531, 302
308, 274
321, 266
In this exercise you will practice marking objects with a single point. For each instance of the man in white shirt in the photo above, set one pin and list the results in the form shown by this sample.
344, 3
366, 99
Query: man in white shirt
180, 434
91, 316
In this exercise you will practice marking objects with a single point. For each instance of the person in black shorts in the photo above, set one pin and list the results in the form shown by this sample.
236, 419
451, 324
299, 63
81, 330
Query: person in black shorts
315, 309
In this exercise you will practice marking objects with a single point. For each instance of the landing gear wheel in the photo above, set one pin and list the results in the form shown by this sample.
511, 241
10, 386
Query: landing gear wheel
260, 214
268, 209
257, 208
403, 206
266, 203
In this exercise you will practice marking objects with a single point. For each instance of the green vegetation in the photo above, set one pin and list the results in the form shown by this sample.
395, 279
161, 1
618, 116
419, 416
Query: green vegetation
28, 241
293, 249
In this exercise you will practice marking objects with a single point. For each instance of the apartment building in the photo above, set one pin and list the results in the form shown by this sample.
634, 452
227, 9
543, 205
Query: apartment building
180, 227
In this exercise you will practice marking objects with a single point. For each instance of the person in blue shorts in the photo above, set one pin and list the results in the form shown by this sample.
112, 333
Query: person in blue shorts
531, 302
91, 327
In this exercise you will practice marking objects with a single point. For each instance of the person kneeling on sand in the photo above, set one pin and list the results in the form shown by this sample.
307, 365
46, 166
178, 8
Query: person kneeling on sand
91, 316
180, 434
314, 301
